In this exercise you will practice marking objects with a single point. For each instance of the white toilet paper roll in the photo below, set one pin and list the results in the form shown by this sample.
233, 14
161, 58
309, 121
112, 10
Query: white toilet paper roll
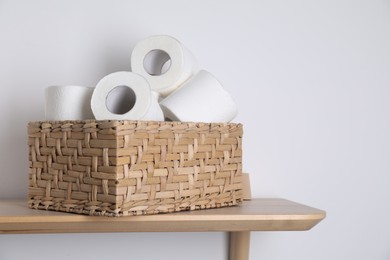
201, 99
175, 64
68, 103
125, 96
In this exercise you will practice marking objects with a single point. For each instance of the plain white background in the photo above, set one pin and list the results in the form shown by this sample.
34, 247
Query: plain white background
312, 83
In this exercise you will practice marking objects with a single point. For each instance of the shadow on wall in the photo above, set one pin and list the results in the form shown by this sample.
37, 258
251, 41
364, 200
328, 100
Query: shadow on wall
21, 107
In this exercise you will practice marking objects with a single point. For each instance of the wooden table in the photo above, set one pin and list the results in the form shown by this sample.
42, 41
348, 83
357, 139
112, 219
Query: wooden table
253, 215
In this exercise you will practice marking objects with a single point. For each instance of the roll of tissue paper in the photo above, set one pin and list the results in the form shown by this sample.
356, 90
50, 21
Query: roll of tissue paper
201, 99
164, 62
68, 103
125, 96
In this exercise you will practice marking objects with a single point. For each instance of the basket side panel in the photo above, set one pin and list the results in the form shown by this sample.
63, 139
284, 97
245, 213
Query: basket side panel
179, 166
71, 165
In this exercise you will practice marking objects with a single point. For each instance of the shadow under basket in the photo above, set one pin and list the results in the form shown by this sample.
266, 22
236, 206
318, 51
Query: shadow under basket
121, 167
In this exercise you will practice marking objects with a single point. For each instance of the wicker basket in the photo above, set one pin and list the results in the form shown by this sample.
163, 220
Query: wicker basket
118, 168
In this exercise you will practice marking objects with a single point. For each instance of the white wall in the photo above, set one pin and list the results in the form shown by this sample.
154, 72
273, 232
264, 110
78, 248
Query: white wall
312, 83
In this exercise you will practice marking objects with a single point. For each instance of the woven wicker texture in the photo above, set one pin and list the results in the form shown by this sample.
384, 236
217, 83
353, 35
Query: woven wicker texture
117, 168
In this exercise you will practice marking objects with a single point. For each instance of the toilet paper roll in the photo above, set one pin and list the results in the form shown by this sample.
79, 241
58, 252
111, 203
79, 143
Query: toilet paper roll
171, 73
125, 96
201, 99
68, 103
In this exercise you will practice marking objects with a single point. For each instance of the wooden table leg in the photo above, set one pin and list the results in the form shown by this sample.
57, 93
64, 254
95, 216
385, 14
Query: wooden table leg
239, 243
